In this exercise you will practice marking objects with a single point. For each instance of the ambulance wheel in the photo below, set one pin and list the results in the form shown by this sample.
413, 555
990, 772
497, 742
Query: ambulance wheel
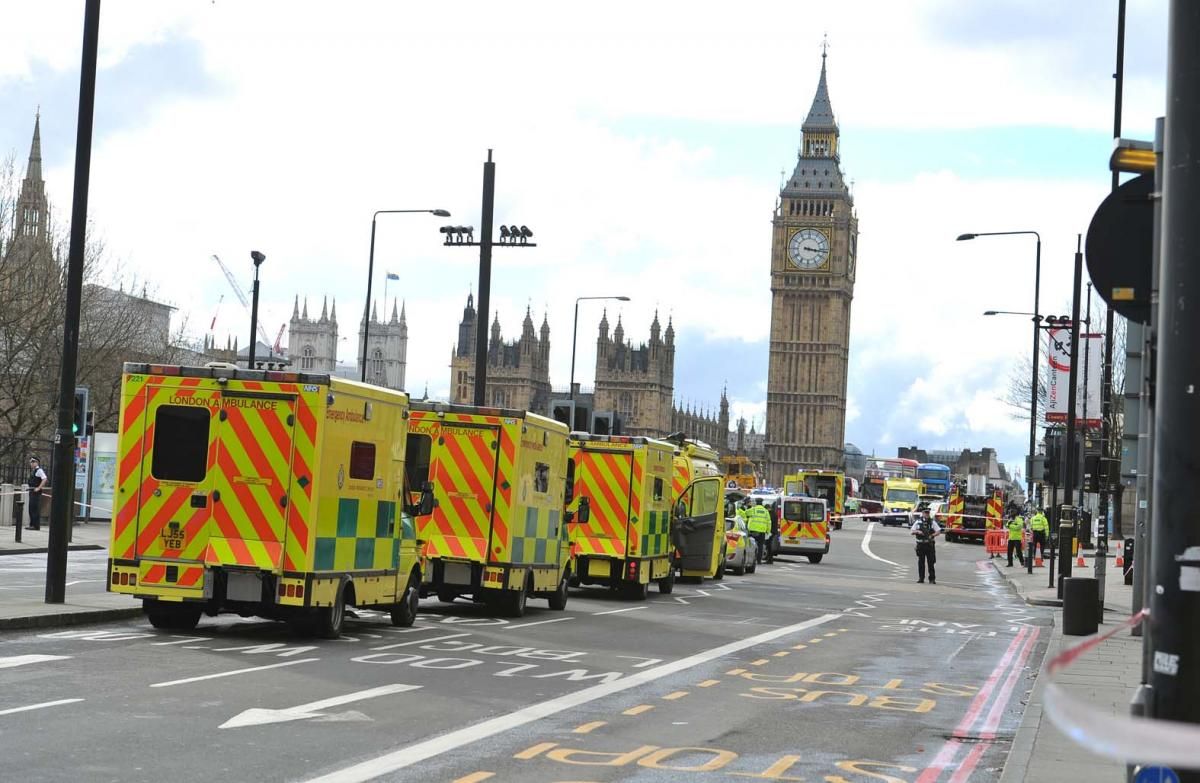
514, 601
404, 614
558, 599
329, 619
667, 584
814, 559
171, 617
635, 591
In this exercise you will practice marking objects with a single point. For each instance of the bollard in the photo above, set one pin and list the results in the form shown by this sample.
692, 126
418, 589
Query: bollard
1101, 568
1128, 564
19, 512
1081, 594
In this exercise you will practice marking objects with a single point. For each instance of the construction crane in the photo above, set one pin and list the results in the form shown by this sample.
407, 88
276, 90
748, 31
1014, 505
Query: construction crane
241, 295
213, 326
279, 337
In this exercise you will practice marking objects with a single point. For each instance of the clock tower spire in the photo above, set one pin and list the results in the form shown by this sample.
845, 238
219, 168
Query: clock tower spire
813, 249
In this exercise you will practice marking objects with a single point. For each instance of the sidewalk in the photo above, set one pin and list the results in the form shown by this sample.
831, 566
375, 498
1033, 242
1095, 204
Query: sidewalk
27, 608
1105, 677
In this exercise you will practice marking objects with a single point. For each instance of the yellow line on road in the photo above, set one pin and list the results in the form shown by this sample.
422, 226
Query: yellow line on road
675, 695
759, 662
638, 710
475, 777
735, 672
799, 646
587, 728
815, 641
831, 634
780, 654
536, 750
707, 683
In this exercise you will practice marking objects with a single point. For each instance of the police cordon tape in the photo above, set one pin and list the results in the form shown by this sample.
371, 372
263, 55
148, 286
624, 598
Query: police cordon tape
940, 517
1121, 737
24, 493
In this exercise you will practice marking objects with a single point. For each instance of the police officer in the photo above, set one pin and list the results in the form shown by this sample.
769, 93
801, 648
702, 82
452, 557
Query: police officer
37, 482
1016, 526
1040, 526
926, 530
758, 521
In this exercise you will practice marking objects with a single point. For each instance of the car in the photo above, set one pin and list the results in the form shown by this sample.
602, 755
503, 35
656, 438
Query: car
741, 550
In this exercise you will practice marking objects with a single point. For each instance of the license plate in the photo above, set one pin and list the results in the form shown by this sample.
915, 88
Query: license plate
598, 568
792, 540
172, 536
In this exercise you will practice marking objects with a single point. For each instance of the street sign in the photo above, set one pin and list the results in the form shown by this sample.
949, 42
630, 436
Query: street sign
1119, 248
1156, 775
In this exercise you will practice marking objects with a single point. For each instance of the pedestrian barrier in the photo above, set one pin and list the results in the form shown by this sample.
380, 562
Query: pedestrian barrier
995, 542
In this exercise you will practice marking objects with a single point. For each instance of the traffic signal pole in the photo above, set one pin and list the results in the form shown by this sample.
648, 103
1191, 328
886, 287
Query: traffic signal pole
1175, 550
1067, 526
485, 279
62, 483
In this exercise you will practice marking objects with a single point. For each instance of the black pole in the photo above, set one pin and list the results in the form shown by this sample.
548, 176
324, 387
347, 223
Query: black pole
1106, 433
1033, 388
367, 306
63, 483
485, 279
1175, 600
1085, 533
257, 258
574, 336
1067, 524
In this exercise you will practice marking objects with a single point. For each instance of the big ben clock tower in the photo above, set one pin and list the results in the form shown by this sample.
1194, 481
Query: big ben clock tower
814, 235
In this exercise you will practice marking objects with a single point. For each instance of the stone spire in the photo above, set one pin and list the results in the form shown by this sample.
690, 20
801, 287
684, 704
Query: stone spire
374, 312
304, 315
670, 331
655, 328
333, 312
324, 310
32, 209
395, 315
545, 330
34, 171
496, 326
619, 332
527, 324
296, 309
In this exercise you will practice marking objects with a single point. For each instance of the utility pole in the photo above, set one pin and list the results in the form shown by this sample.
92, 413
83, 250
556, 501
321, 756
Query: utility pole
485, 279
63, 483
257, 258
1175, 599
1067, 521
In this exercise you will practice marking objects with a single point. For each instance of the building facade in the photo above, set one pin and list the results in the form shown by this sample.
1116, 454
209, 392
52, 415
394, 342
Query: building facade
638, 384
518, 371
813, 258
312, 342
704, 425
387, 348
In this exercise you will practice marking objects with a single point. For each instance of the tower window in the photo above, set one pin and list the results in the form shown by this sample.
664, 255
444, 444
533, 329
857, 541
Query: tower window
377, 364
307, 358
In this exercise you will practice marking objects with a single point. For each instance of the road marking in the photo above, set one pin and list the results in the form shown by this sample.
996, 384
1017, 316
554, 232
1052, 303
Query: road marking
588, 728
735, 672
830, 634
24, 660
420, 641
231, 673
181, 640
475, 777
539, 622
866, 547
618, 611
638, 710
799, 646
675, 695
256, 716
682, 600
409, 755
707, 683
759, 662
528, 753
815, 641
780, 654
44, 704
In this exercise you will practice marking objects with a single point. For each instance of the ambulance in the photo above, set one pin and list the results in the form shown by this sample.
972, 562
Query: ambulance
276, 494
626, 542
804, 527
498, 530
698, 518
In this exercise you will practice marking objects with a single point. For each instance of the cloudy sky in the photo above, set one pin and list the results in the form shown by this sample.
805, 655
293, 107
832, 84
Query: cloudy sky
642, 142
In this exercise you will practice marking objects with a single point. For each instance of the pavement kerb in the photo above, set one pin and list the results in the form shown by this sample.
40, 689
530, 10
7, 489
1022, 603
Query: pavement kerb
41, 550
60, 619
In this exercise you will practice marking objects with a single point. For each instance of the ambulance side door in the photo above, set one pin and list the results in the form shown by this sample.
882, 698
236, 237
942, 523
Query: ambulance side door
696, 523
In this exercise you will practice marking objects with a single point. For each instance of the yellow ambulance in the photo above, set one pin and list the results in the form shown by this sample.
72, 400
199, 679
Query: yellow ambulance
277, 494
698, 516
497, 531
626, 541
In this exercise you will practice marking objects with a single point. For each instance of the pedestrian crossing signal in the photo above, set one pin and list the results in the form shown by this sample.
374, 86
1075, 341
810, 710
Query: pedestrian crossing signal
79, 414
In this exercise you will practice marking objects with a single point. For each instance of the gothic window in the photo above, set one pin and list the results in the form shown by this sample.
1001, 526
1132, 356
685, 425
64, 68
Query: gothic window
307, 358
625, 404
498, 398
377, 364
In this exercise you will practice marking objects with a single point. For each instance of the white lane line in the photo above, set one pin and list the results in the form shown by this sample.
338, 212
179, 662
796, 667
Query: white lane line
866, 547
231, 673
539, 622
256, 716
618, 611
44, 704
421, 751
23, 660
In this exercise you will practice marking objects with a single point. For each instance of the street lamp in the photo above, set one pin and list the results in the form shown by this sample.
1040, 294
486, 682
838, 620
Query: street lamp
1033, 387
575, 334
371, 273
257, 258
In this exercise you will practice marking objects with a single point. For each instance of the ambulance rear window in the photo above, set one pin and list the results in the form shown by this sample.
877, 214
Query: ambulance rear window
416, 460
180, 443
658, 489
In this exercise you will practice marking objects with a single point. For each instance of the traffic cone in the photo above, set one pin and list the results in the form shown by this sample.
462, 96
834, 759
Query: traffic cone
1079, 560
1037, 561
1121, 558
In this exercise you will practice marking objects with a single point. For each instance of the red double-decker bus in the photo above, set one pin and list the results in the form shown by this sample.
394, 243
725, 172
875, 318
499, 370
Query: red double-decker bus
881, 468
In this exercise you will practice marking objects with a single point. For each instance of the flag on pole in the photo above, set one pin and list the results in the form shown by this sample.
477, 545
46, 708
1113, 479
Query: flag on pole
393, 276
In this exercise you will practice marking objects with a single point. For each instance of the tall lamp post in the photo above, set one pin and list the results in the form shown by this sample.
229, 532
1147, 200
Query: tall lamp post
575, 334
1033, 385
371, 272
257, 258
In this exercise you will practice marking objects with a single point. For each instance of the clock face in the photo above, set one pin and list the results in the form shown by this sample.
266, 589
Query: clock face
809, 248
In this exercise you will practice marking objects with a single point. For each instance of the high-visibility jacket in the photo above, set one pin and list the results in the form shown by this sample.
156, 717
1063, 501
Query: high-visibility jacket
1039, 524
1015, 526
758, 520
740, 513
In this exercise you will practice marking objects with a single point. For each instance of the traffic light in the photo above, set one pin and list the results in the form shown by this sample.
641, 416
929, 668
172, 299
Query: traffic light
79, 414
1053, 464
90, 425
